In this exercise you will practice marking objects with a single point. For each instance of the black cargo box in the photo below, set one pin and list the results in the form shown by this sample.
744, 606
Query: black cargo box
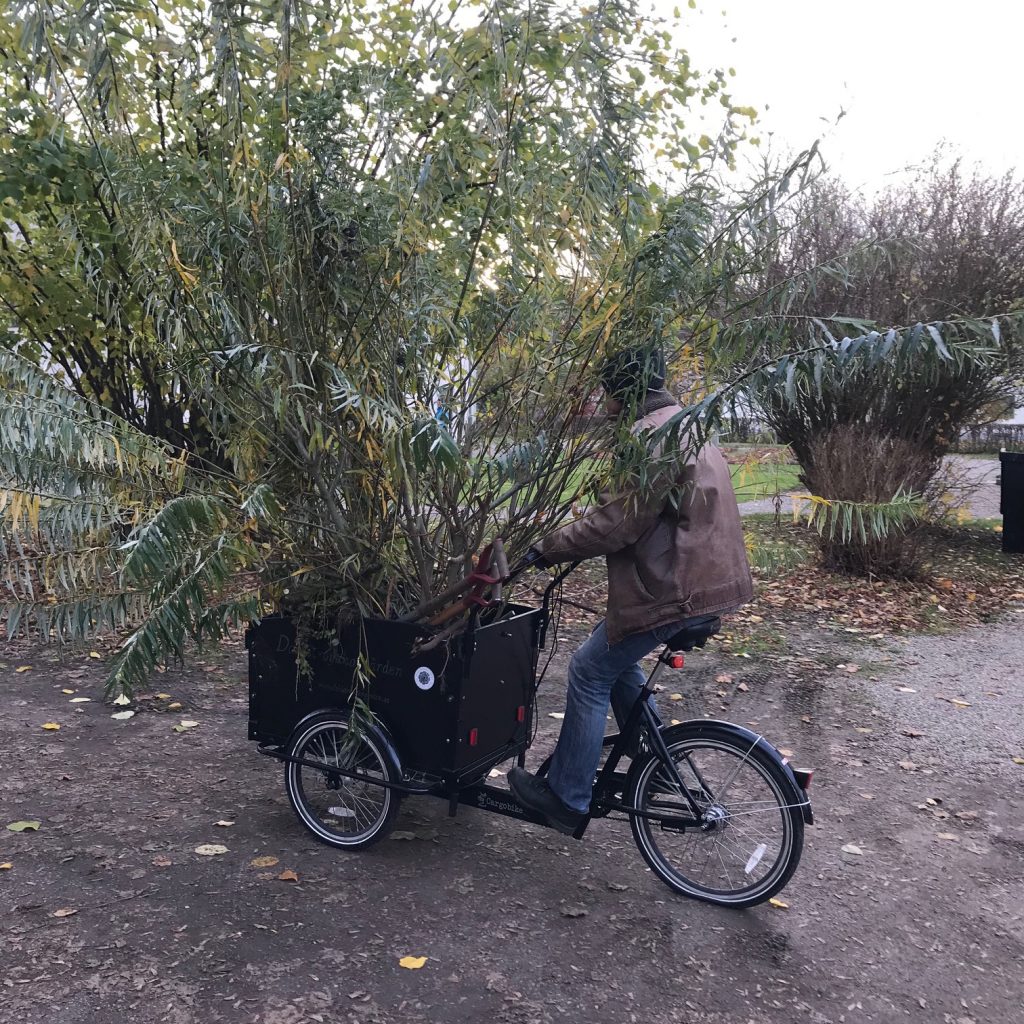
451, 712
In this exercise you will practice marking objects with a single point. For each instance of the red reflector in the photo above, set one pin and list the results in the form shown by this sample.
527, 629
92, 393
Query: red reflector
521, 713
676, 661
474, 735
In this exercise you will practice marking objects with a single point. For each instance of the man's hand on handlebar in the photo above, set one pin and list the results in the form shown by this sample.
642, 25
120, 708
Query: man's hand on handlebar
536, 560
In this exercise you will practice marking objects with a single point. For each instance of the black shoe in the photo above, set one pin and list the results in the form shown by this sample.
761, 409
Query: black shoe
536, 795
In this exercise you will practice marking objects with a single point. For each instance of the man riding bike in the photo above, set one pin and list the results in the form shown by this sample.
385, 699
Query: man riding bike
675, 552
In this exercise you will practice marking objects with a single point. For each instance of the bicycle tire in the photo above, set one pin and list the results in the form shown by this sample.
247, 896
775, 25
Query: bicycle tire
705, 740
353, 822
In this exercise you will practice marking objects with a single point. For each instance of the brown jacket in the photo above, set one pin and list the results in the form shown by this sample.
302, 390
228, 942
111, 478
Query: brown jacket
664, 563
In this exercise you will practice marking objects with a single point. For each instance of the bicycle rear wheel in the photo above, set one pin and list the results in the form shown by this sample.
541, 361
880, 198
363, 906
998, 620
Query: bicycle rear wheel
750, 838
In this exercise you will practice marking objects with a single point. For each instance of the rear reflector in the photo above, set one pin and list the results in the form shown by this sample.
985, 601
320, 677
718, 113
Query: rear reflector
803, 779
474, 735
676, 661
521, 713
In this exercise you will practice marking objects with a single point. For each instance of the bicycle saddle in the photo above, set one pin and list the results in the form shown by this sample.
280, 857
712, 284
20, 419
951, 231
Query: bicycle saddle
695, 633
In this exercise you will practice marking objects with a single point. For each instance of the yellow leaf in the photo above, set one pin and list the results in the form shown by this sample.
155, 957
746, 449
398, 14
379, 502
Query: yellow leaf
1018, 760
413, 963
51, 726
163, 696
65, 912
62, 691
23, 668
173, 707
675, 721
287, 876
778, 903
6, 866
211, 850
263, 862
676, 696
95, 654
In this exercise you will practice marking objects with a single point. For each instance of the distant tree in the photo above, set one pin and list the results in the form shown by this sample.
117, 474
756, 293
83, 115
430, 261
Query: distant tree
871, 415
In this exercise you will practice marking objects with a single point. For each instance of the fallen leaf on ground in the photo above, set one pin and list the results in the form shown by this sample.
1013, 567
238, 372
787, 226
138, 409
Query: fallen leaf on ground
78, 700
174, 706
743, 687
494, 773
785, 752
723, 678
160, 861
675, 696
906, 689
778, 903
287, 876
95, 654
852, 850
6, 866
184, 726
121, 700
853, 668
224, 824
23, 668
162, 696
1018, 760
556, 714
412, 963
908, 766
956, 702
912, 733
947, 835
675, 721
64, 912
211, 849
22, 826
263, 862
122, 716
67, 691
51, 726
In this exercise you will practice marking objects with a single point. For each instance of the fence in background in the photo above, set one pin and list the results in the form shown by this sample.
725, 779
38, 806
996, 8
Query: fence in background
991, 437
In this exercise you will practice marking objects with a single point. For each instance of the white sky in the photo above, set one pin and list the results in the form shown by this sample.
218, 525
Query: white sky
908, 73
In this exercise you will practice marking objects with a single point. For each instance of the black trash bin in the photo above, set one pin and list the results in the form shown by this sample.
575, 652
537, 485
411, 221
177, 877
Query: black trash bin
1011, 499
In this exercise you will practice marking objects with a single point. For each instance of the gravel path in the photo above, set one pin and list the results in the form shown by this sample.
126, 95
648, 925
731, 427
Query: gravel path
924, 925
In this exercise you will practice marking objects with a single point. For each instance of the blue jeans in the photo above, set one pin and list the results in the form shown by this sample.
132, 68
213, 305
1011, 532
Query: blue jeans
599, 674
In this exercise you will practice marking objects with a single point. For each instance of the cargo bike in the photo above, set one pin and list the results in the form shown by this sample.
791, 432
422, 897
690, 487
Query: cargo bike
716, 811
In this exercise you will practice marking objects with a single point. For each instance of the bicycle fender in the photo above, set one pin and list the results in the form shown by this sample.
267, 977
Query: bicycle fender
796, 795
379, 731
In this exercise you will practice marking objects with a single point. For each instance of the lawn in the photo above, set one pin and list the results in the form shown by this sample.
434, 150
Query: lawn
756, 480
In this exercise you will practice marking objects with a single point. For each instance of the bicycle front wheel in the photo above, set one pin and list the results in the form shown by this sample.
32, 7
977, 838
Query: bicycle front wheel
338, 809
750, 836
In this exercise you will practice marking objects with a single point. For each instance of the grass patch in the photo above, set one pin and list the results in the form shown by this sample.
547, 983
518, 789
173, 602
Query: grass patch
756, 481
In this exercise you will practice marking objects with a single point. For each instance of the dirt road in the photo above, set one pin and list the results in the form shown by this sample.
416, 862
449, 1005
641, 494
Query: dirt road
914, 753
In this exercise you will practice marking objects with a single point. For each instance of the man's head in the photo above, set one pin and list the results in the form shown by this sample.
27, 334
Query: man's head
628, 375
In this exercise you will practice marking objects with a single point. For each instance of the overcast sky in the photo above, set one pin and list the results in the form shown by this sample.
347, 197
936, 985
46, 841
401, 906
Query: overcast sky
908, 73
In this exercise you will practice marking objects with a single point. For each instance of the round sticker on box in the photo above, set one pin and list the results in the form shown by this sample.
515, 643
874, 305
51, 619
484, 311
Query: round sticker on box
424, 678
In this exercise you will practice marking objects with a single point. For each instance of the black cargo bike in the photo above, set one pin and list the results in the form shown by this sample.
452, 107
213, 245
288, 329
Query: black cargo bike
716, 811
